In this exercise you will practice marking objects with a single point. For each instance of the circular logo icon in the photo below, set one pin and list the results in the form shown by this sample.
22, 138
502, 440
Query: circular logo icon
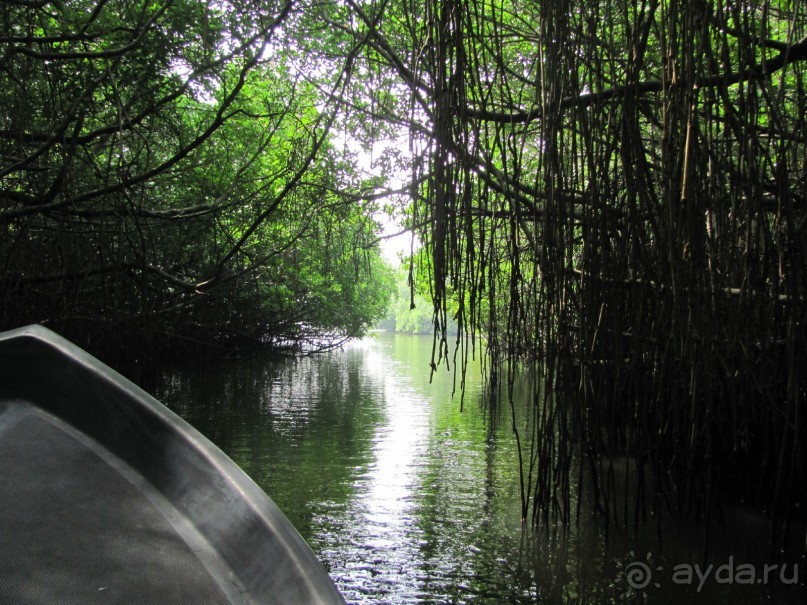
638, 575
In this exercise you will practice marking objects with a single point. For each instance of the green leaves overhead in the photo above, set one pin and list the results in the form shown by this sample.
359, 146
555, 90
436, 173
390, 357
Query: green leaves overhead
168, 171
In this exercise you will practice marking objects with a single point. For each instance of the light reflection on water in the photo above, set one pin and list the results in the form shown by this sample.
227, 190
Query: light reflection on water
373, 552
404, 499
401, 538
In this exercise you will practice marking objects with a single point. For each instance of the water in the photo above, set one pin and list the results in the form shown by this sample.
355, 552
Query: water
408, 497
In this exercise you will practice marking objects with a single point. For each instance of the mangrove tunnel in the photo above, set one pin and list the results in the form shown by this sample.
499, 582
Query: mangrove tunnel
608, 196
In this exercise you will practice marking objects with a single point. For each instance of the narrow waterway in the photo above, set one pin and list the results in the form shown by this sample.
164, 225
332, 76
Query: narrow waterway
409, 497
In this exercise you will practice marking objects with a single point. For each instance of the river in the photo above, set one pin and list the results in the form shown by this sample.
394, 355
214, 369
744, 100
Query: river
409, 495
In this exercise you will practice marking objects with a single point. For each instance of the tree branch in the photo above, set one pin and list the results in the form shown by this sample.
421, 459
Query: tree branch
789, 54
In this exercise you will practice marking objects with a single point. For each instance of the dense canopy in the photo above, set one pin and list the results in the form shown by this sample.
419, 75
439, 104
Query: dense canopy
172, 175
611, 197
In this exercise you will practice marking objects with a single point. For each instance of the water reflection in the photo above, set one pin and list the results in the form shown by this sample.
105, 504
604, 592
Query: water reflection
371, 552
403, 497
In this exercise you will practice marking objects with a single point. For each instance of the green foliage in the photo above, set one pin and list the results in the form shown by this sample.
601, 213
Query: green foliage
411, 309
402, 316
169, 177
